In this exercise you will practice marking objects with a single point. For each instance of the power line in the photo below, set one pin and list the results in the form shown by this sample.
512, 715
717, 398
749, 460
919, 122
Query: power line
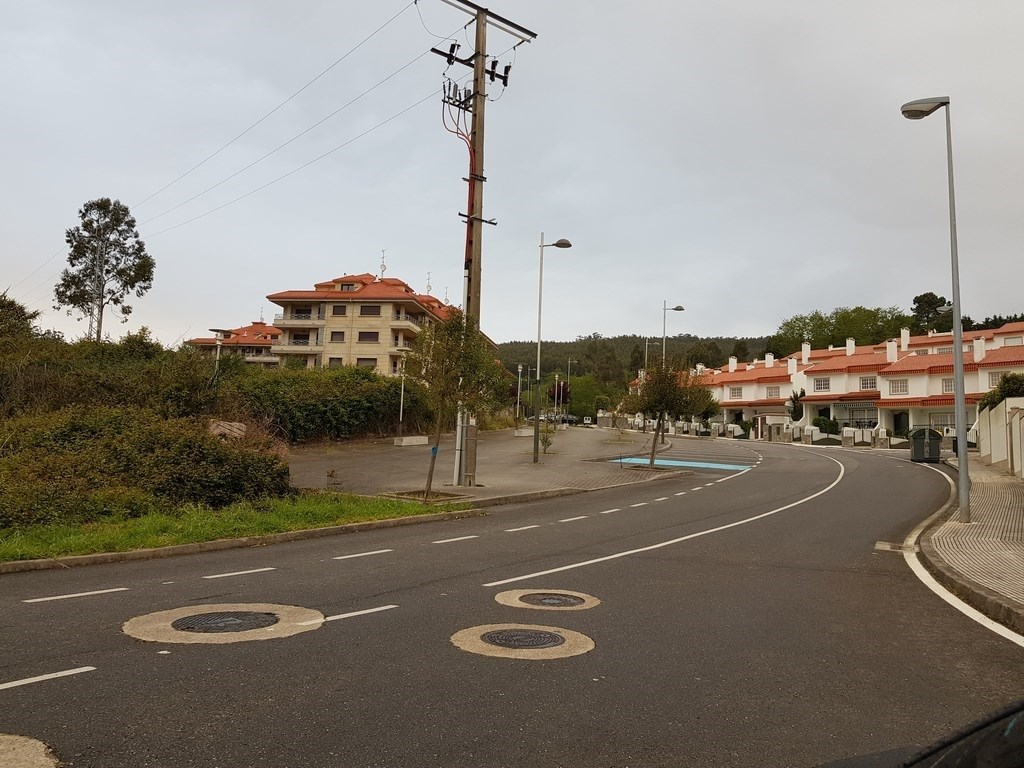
285, 144
243, 133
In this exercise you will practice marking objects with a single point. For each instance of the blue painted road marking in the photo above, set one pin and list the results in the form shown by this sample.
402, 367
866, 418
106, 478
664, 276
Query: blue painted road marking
676, 463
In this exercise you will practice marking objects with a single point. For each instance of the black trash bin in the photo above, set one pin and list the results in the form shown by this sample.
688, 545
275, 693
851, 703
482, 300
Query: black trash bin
925, 445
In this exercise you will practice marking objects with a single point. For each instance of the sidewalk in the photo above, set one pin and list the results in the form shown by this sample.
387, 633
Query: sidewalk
982, 562
579, 459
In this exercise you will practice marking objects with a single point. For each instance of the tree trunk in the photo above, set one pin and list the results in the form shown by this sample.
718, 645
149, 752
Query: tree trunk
433, 459
654, 442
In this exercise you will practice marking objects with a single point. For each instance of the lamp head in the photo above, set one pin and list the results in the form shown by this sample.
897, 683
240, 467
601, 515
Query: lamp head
915, 110
562, 243
676, 308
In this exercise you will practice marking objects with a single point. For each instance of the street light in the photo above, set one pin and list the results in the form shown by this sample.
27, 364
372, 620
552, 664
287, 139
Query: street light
561, 243
568, 378
219, 334
915, 110
519, 389
665, 309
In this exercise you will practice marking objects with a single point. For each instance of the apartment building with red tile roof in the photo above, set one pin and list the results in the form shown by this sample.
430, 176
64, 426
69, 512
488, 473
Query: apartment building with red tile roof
353, 320
253, 342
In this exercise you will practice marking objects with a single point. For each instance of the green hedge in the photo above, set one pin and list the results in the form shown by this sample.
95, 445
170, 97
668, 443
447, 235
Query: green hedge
83, 464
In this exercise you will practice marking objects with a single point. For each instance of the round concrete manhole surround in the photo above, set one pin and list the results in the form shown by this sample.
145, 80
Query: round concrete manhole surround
547, 599
223, 623
522, 641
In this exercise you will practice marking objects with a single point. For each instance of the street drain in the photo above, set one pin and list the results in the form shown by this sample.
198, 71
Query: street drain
522, 641
523, 638
552, 599
225, 621
547, 599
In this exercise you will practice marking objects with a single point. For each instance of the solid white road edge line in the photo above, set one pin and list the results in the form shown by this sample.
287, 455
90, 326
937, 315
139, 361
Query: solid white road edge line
362, 554
53, 675
76, 594
670, 542
347, 615
914, 562
238, 573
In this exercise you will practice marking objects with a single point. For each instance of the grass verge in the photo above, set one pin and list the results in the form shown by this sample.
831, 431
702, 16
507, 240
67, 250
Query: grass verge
194, 524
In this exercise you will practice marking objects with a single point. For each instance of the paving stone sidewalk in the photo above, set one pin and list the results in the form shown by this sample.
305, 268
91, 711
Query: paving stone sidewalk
983, 561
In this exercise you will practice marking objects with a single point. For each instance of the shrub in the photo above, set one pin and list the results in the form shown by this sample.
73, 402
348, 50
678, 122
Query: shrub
78, 465
826, 425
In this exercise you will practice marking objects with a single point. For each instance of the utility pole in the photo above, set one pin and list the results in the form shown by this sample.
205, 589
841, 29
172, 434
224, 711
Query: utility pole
474, 102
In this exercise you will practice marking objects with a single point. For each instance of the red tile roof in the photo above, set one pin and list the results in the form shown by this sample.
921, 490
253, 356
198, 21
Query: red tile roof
866, 395
931, 401
257, 334
368, 288
862, 361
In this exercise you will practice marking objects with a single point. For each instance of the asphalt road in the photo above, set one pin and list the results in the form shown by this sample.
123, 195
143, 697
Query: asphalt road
745, 619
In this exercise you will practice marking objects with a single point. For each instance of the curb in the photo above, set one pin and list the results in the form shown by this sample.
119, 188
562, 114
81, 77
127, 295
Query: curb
997, 607
19, 566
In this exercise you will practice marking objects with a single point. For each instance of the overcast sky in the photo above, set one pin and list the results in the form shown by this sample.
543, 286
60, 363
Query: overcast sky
745, 159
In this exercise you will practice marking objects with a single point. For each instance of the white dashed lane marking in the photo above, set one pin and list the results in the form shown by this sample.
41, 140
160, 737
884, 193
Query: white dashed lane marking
458, 538
681, 493
571, 519
238, 573
609, 511
663, 498
641, 504
40, 678
523, 528
347, 615
76, 594
362, 554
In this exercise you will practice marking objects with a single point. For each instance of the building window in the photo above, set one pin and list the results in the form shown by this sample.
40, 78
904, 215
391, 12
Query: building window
348, 286
735, 393
369, 337
944, 351
942, 420
868, 382
339, 310
947, 387
337, 336
994, 377
302, 339
1013, 341
822, 385
366, 362
302, 313
334, 362
899, 386
772, 392
369, 310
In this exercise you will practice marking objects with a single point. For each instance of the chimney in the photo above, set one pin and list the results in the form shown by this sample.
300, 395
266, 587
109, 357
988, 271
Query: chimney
769, 359
979, 350
700, 368
751, 366
792, 366
851, 345
732, 364
890, 351
805, 352
904, 339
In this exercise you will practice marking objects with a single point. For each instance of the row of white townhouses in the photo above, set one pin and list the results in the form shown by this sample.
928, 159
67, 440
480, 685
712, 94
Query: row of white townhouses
896, 385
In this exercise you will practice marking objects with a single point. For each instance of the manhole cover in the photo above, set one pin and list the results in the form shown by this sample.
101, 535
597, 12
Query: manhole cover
552, 599
523, 638
225, 621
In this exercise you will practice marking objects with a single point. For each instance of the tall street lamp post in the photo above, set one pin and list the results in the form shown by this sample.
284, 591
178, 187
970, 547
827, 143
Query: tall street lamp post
561, 243
665, 309
915, 110
519, 389
568, 377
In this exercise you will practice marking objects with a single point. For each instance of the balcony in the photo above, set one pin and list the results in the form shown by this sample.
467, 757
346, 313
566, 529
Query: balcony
402, 346
407, 322
296, 346
300, 320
